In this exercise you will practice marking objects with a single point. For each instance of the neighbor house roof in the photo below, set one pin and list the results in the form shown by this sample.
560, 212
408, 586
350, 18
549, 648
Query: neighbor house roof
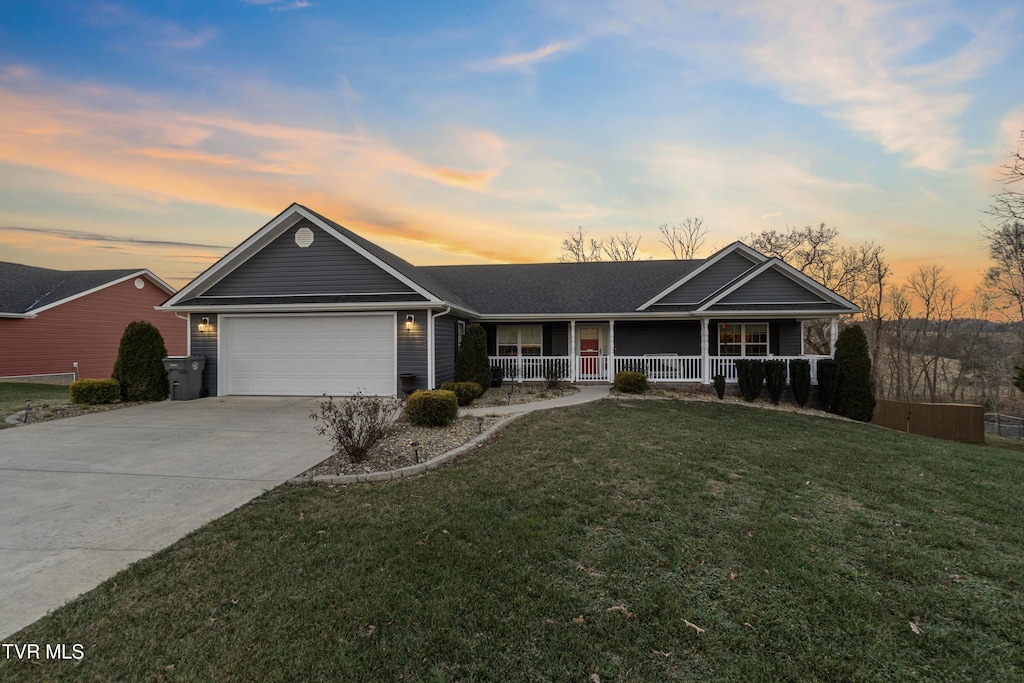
27, 290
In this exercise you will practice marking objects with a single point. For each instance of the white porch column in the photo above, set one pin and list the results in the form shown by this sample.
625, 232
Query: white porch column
611, 350
705, 357
572, 350
835, 333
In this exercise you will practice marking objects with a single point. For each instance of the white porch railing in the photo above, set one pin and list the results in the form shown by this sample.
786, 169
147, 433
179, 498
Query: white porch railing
603, 368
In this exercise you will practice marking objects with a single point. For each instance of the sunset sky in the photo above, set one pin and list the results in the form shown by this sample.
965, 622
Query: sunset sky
161, 134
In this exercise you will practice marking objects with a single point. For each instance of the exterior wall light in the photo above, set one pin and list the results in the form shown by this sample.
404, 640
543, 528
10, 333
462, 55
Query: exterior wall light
204, 324
409, 320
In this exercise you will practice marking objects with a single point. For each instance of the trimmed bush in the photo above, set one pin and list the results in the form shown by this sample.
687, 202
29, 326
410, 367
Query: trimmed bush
719, 382
437, 408
629, 382
775, 379
750, 376
139, 367
356, 424
828, 382
855, 390
93, 391
800, 380
465, 392
497, 376
471, 362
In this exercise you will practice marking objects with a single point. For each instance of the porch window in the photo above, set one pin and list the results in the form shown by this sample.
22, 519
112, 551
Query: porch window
520, 340
743, 339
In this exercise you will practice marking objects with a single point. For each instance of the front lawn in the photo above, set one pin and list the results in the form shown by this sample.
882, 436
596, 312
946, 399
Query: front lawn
635, 540
14, 394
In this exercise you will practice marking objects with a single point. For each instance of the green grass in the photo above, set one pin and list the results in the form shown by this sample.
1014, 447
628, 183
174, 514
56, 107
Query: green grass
14, 394
582, 542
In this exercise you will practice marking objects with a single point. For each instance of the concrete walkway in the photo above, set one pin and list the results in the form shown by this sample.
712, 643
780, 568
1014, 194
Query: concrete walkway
586, 394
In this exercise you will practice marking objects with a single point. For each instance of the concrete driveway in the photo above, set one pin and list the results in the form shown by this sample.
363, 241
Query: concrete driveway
82, 498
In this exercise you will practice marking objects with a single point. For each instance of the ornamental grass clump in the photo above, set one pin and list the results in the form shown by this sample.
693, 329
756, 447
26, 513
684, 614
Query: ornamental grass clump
354, 425
436, 408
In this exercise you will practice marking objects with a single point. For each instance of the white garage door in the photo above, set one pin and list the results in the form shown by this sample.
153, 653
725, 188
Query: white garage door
337, 355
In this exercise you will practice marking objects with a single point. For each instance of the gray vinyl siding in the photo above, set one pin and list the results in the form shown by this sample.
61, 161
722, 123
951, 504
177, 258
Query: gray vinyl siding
205, 344
412, 349
710, 281
445, 340
325, 267
789, 335
640, 338
772, 287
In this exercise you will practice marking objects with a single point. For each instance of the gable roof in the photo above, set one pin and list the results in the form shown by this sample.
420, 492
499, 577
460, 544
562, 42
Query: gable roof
26, 291
827, 299
395, 266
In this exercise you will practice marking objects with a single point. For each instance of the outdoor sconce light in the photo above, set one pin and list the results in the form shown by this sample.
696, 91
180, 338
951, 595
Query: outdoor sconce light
204, 324
409, 319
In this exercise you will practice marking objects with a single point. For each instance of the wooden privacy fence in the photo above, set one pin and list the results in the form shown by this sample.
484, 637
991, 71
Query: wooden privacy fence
951, 421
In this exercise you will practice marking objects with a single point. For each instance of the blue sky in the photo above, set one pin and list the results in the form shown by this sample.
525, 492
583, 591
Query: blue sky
160, 135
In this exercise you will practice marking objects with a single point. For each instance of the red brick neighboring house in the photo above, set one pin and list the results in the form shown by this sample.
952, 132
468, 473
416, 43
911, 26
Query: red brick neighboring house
52, 319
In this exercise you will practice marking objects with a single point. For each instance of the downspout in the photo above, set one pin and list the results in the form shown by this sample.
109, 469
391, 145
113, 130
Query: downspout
431, 360
188, 331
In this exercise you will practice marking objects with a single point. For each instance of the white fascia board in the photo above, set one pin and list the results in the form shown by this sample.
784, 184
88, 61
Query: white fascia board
304, 308
656, 315
367, 255
754, 255
236, 256
789, 271
139, 273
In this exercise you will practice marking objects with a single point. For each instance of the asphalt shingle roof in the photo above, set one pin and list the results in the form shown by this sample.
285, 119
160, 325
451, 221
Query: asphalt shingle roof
24, 289
560, 288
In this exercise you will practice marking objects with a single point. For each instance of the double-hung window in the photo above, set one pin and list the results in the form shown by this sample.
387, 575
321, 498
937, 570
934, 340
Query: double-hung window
520, 340
743, 339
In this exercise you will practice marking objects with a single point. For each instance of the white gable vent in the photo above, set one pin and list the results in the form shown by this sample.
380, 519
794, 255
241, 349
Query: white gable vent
303, 237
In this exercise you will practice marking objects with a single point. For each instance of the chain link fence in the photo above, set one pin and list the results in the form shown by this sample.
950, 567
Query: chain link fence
1009, 426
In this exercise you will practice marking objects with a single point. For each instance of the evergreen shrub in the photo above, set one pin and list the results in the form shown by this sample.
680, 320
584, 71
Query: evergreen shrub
437, 408
775, 379
800, 380
471, 362
629, 382
465, 392
828, 382
497, 376
139, 368
93, 391
855, 390
719, 382
750, 377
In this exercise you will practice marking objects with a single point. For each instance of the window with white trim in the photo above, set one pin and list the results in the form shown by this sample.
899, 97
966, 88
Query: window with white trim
743, 339
460, 332
520, 340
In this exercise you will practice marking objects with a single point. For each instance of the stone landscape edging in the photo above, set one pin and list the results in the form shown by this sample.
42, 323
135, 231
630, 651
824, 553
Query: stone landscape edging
409, 470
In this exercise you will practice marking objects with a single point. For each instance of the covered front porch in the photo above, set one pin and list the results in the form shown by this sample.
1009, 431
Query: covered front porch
664, 350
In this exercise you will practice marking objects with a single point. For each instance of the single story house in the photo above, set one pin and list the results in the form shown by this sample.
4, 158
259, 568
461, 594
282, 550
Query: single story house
70, 322
306, 307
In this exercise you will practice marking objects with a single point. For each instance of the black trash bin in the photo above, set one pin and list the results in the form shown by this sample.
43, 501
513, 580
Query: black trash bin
186, 376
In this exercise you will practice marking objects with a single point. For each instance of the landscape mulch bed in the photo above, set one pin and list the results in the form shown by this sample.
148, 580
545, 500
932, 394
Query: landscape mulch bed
47, 413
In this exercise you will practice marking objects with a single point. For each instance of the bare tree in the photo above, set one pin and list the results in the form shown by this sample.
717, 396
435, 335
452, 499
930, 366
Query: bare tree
940, 307
685, 238
1006, 277
578, 247
1008, 205
621, 247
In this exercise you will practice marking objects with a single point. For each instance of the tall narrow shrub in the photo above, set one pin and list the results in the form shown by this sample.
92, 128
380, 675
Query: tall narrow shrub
775, 379
828, 381
855, 391
800, 380
139, 367
471, 362
750, 377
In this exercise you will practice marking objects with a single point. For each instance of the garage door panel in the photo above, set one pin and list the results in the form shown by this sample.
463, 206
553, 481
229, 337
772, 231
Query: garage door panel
308, 355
